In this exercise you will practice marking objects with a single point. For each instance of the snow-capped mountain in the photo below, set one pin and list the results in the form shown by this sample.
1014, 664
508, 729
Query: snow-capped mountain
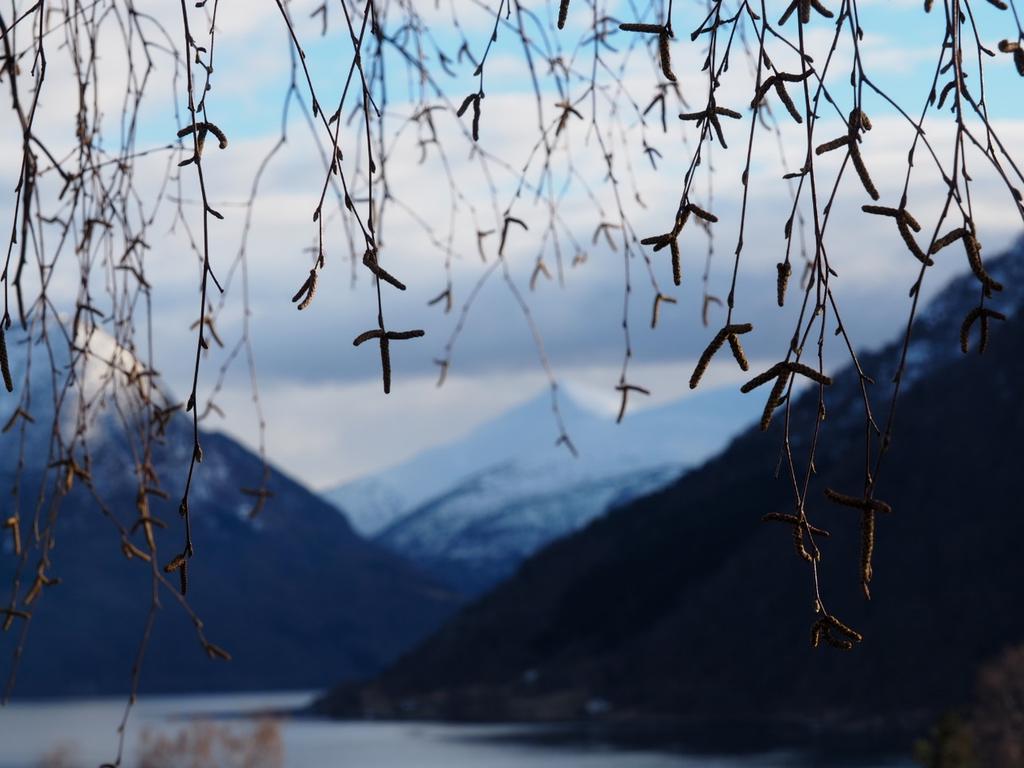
293, 594
471, 510
679, 434
476, 534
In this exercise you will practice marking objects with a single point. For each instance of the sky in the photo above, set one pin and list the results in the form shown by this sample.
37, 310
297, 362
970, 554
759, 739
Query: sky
327, 419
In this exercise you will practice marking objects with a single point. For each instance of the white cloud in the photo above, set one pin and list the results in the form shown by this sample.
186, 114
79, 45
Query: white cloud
327, 418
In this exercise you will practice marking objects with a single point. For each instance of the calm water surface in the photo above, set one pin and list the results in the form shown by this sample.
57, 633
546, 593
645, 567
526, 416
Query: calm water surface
84, 733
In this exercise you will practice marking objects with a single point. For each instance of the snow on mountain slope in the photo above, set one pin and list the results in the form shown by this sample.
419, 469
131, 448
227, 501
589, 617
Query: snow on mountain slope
372, 503
476, 534
681, 434
931, 344
472, 510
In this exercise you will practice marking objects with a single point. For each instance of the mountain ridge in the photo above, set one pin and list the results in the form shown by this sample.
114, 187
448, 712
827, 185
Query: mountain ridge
503, 491
521, 433
472, 539
681, 605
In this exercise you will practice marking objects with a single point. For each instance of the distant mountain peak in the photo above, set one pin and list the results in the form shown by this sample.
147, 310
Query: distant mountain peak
472, 509
602, 402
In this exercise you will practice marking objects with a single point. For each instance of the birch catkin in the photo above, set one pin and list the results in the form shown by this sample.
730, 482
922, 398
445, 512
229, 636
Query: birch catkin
973, 249
563, 13
784, 270
649, 29
947, 239
677, 268
867, 549
665, 55
715, 345
982, 314
774, 400
310, 289
737, 352
784, 97
5, 365
862, 171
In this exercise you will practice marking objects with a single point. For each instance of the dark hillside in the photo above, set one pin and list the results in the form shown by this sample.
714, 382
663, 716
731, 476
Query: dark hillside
294, 595
684, 604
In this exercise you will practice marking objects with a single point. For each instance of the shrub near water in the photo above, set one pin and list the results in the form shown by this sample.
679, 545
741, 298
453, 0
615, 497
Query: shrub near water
204, 744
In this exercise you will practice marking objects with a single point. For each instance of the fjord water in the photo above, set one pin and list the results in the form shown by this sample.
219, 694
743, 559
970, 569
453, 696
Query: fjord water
74, 733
